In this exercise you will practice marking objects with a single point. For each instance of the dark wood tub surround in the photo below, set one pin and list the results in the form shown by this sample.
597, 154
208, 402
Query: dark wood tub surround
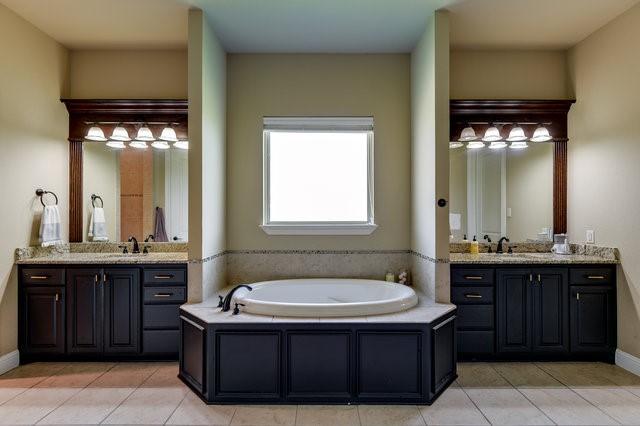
84, 112
552, 113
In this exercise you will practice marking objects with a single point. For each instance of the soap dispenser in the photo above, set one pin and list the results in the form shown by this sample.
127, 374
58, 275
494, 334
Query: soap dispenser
474, 247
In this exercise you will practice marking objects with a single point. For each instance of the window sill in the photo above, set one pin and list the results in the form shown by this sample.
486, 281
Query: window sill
341, 229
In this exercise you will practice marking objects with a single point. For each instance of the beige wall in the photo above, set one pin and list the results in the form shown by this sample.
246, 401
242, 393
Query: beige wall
128, 74
490, 74
34, 152
604, 149
318, 85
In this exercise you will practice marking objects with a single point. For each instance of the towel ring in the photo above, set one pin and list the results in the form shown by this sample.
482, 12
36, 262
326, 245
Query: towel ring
41, 193
95, 197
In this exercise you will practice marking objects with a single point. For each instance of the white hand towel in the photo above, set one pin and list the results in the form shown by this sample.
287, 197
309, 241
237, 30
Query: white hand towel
50, 226
98, 225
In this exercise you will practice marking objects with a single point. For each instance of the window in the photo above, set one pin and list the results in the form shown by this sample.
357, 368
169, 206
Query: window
318, 176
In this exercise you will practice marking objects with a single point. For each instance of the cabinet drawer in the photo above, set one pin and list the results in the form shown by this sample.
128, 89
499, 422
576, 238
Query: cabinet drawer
475, 316
161, 316
476, 342
590, 275
42, 276
160, 341
472, 294
165, 295
165, 276
466, 276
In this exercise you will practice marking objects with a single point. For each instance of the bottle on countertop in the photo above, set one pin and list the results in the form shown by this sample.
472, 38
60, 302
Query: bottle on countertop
464, 239
390, 277
474, 247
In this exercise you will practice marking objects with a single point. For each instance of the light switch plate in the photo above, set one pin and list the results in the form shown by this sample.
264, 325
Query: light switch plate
591, 238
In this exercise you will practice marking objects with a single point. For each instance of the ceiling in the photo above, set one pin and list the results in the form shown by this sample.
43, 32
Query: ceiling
336, 26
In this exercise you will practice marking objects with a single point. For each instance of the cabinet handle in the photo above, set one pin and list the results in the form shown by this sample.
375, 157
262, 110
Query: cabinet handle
104, 278
472, 277
577, 296
539, 280
163, 295
39, 277
595, 277
531, 278
57, 297
163, 277
95, 279
473, 296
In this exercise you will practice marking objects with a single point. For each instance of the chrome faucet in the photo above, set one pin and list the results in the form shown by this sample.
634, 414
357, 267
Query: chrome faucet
136, 247
499, 249
225, 303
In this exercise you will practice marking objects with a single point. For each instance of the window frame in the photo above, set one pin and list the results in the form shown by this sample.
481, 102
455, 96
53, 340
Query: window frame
317, 125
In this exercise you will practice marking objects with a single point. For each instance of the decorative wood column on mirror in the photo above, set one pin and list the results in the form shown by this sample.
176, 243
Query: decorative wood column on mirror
84, 112
528, 113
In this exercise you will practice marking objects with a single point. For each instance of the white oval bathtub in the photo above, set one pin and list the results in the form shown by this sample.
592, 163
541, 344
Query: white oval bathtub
325, 297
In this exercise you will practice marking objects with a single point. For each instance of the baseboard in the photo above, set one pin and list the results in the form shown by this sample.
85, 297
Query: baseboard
628, 362
9, 361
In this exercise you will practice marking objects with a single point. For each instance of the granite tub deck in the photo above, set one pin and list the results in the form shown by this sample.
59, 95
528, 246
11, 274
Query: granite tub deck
407, 357
531, 259
106, 259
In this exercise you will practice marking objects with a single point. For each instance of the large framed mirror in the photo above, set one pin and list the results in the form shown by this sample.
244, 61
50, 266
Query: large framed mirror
128, 170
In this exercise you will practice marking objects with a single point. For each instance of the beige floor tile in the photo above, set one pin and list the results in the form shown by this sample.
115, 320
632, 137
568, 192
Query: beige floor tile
321, 415
618, 375
76, 375
480, 375
574, 374
33, 404
263, 415
565, 407
126, 374
618, 403
507, 407
453, 407
147, 406
88, 406
192, 411
29, 375
524, 374
390, 415
9, 393
633, 389
166, 376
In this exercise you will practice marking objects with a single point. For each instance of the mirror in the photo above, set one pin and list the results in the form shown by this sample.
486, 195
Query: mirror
142, 192
502, 192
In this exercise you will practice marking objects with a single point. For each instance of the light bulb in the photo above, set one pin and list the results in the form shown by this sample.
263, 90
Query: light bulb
541, 134
120, 134
145, 134
160, 144
492, 134
95, 133
138, 145
168, 134
468, 135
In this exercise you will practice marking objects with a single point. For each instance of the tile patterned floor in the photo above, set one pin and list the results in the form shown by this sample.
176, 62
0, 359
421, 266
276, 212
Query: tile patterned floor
485, 393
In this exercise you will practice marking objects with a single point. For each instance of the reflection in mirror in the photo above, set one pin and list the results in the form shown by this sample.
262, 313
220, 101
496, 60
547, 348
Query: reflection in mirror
144, 192
502, 192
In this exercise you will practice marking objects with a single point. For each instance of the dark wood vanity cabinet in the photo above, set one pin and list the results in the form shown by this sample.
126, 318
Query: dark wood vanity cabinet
538, 312
42, 320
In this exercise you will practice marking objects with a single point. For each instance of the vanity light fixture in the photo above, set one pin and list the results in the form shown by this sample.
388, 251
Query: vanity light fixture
519, 145
498, 145
138, 145
541, 134
181, 145
168, 134
160, 144
145, 134
120, 134
455, 144
475, 145
492, 134
517, 134
467, 135
116, 144
95, 133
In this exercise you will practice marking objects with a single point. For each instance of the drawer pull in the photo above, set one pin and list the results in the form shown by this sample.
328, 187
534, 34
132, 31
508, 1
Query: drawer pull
595, 277
472, 277
473, 296
57, 297
39, 277
163, 277
163, 295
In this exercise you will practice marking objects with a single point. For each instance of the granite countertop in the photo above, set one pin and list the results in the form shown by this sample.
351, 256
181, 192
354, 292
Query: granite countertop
105, 258
425, 311
529, 258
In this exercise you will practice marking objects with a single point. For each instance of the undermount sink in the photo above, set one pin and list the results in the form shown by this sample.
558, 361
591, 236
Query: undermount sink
121, 254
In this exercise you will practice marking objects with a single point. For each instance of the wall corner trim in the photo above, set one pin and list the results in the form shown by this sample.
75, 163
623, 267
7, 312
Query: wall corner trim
628, 362
9, 361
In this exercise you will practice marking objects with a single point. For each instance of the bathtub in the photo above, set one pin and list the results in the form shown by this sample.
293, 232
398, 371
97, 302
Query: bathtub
325, 297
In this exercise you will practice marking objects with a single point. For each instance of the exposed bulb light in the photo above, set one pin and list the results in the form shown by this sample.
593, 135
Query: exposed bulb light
517, 134
498, 145
519, 145
95, 133
168, 134
138, 145
541, 134
160, 144
181, 145
120, 134
467, 135
145, 134
455, 144
475, 145
116, 144
492, 134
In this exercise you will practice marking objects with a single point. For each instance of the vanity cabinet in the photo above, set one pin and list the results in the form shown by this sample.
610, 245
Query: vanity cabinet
534, 311
42, 320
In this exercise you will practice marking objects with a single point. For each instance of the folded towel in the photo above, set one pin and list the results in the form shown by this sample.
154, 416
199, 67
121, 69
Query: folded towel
98, 225
50, 226
160, 235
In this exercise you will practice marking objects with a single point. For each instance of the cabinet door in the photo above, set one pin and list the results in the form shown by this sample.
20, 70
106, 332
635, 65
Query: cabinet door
121, 310
592, 318
550, 314
43, 320
514, 315
84, 310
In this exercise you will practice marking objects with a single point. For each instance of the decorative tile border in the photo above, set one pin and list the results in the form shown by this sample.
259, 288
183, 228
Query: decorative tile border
208, 258
429, 258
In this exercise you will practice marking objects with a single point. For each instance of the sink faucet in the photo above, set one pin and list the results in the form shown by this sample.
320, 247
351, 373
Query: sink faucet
136, 247
499, 248
225, 303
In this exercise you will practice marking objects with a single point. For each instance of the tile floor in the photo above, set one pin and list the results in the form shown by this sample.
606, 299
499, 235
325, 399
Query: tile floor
485, 393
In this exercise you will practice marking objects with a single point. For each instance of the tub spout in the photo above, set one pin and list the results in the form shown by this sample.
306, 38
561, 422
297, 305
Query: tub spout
226, 302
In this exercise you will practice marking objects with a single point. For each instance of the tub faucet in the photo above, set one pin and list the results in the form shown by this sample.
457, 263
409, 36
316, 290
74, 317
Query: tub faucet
499, 248
226, 302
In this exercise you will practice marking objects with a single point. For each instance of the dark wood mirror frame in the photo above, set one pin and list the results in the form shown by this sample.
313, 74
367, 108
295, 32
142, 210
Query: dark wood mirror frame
553, 113
84, 112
